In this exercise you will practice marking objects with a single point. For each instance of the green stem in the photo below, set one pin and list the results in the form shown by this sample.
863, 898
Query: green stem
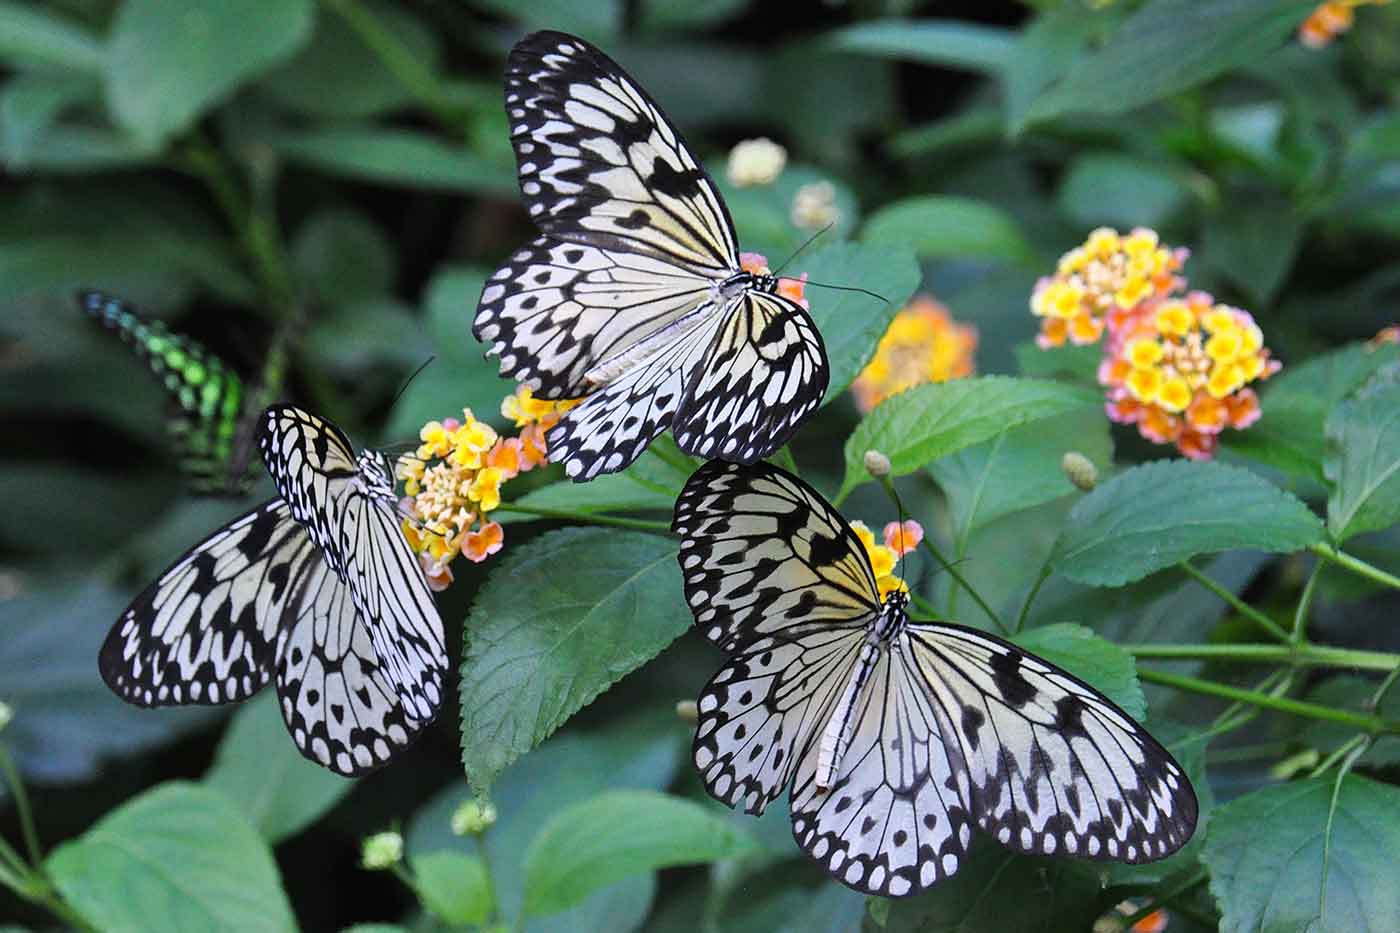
1238, 714
1305, 654
1346, 748
618, 521
938, 556
682, 464
1355, 564
1370, 724
1379, 696
1030, 596
1300, 617
1156, 903
406, 66
786, 460
22, 808
1239, 605
490, 878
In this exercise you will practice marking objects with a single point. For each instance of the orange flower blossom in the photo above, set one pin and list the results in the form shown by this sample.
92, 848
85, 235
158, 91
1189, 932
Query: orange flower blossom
922, 344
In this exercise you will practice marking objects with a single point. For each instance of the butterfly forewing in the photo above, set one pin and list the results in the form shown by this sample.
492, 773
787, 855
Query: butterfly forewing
561, 315
347, 506
202, 632
1053, 765
635, 297
896, 736
599, 162
761, 555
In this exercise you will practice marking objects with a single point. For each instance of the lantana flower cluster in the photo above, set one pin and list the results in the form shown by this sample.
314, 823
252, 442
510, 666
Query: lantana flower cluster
1177, 364
1330, 20
899, 539
923, 344
452, 481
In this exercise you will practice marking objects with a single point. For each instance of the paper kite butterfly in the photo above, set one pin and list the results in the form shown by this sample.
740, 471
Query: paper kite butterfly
633, 296
316, 589
212, 417
895, 736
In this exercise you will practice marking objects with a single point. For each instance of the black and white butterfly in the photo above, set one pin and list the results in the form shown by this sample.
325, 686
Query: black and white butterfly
634, 297
895, 736
317, 588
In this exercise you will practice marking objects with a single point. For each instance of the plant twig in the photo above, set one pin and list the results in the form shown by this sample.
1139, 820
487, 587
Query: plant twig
1305, 654
1300, 616
22, 808
1239, 605
1373, 725
1355, 564
1031, 595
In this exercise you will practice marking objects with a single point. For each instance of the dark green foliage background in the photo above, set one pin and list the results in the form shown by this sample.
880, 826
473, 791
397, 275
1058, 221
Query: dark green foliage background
340, 170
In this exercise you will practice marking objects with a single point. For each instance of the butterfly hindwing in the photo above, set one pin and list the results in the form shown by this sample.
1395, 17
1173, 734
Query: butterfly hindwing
894, 822
347, 505
764, 373
600, 163
1053, 765
203, 631
339, 708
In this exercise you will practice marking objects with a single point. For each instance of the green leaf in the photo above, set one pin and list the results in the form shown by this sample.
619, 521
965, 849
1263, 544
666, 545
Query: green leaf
343, 257
261, 772
617, 834
1071, 363
1168, 46
67, 725
461, 376
628, 491
597, 21
996, 889
684, 16
314, 81
172, 60
1093, 659
852, 324
29, 106
1307, 856
1253, 243
634, 750
30, 35
1018, 469
1119, 190
1363, 462
763, 215
402, 158
1296, 403
1155, 515
453, 887
178, 857
946, 43
930, 421
1045, 50
946, 227
545, 642
351, 337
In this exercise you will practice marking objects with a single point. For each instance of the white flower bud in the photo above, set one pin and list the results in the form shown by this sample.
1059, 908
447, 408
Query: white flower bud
473, 817
689, 711
7, 713
756, 162
1080, 470
381, 851
877, 464
814, 206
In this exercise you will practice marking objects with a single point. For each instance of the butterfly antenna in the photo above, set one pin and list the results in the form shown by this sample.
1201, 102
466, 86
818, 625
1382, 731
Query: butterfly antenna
409, 381
848, 288
797, 252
